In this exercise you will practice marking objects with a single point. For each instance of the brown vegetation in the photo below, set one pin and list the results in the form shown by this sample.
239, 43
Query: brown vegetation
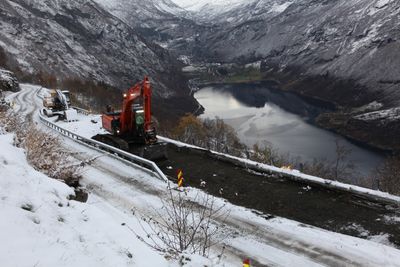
43, 150
210, 134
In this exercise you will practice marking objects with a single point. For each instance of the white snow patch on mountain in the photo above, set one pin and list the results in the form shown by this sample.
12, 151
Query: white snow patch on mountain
279, 8
193, 5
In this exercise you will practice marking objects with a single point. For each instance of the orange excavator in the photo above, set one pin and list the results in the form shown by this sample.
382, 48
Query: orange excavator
132, 128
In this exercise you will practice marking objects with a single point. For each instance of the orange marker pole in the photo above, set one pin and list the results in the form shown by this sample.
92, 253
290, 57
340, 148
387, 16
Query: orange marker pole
246, 263
180, 178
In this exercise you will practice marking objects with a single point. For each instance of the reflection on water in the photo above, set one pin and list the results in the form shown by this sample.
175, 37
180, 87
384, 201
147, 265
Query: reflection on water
260, 114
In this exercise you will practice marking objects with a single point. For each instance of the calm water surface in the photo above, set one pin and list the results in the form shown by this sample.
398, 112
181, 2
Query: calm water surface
260, 114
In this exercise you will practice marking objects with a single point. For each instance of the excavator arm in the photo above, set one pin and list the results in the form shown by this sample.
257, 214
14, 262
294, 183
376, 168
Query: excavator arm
137, 105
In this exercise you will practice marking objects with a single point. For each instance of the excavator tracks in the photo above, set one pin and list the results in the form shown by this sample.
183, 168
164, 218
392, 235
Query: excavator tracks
112, 140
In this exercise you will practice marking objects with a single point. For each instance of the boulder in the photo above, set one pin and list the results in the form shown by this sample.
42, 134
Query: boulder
8, 81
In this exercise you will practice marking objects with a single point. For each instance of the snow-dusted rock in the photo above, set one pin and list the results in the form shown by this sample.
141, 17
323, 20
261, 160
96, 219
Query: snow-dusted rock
8, 81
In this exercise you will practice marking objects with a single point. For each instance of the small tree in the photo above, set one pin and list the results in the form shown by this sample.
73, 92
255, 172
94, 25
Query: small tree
389, 175
342, 168
191, 130
185, 225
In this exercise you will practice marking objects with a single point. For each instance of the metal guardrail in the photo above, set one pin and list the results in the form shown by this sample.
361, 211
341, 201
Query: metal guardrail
121, 155
82, 111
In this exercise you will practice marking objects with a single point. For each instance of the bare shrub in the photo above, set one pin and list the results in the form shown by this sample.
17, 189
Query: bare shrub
191, 130
319, 168
269, 155
342, 168
222, 137
185, 225
389, 175
43, 150
212, 134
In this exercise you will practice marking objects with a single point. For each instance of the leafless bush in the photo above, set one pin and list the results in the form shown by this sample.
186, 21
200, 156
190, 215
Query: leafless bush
389, 175
185, 225
212, 134
319, 168
342, 168
43, 150
269, 155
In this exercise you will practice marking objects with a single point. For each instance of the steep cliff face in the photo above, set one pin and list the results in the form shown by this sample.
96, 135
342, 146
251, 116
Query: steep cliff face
355, 40
159, 21
79, 38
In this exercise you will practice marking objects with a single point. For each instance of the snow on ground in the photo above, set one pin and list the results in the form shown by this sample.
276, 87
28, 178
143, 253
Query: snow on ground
86, 126
39, 226
193, 5
59, 232
392, 114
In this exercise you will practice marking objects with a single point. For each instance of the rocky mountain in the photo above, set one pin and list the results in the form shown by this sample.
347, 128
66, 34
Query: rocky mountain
81, 39
159, 21
143, 14
355, 42
8, 81
205, 10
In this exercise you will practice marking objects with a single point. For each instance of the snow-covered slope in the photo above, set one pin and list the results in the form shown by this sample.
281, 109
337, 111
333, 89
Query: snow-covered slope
39, 226
144, 14
216, 6
232, 11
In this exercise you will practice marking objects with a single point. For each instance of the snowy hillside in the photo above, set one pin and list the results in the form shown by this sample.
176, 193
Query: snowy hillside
42, 227
79, 38
216, 5
342, 39
145, 14
232, 11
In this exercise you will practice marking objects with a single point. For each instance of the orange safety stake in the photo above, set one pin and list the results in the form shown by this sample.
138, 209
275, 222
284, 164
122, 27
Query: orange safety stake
180, 178
246, 263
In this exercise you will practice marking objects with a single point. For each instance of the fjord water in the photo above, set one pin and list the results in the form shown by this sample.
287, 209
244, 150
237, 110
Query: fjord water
262, 114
